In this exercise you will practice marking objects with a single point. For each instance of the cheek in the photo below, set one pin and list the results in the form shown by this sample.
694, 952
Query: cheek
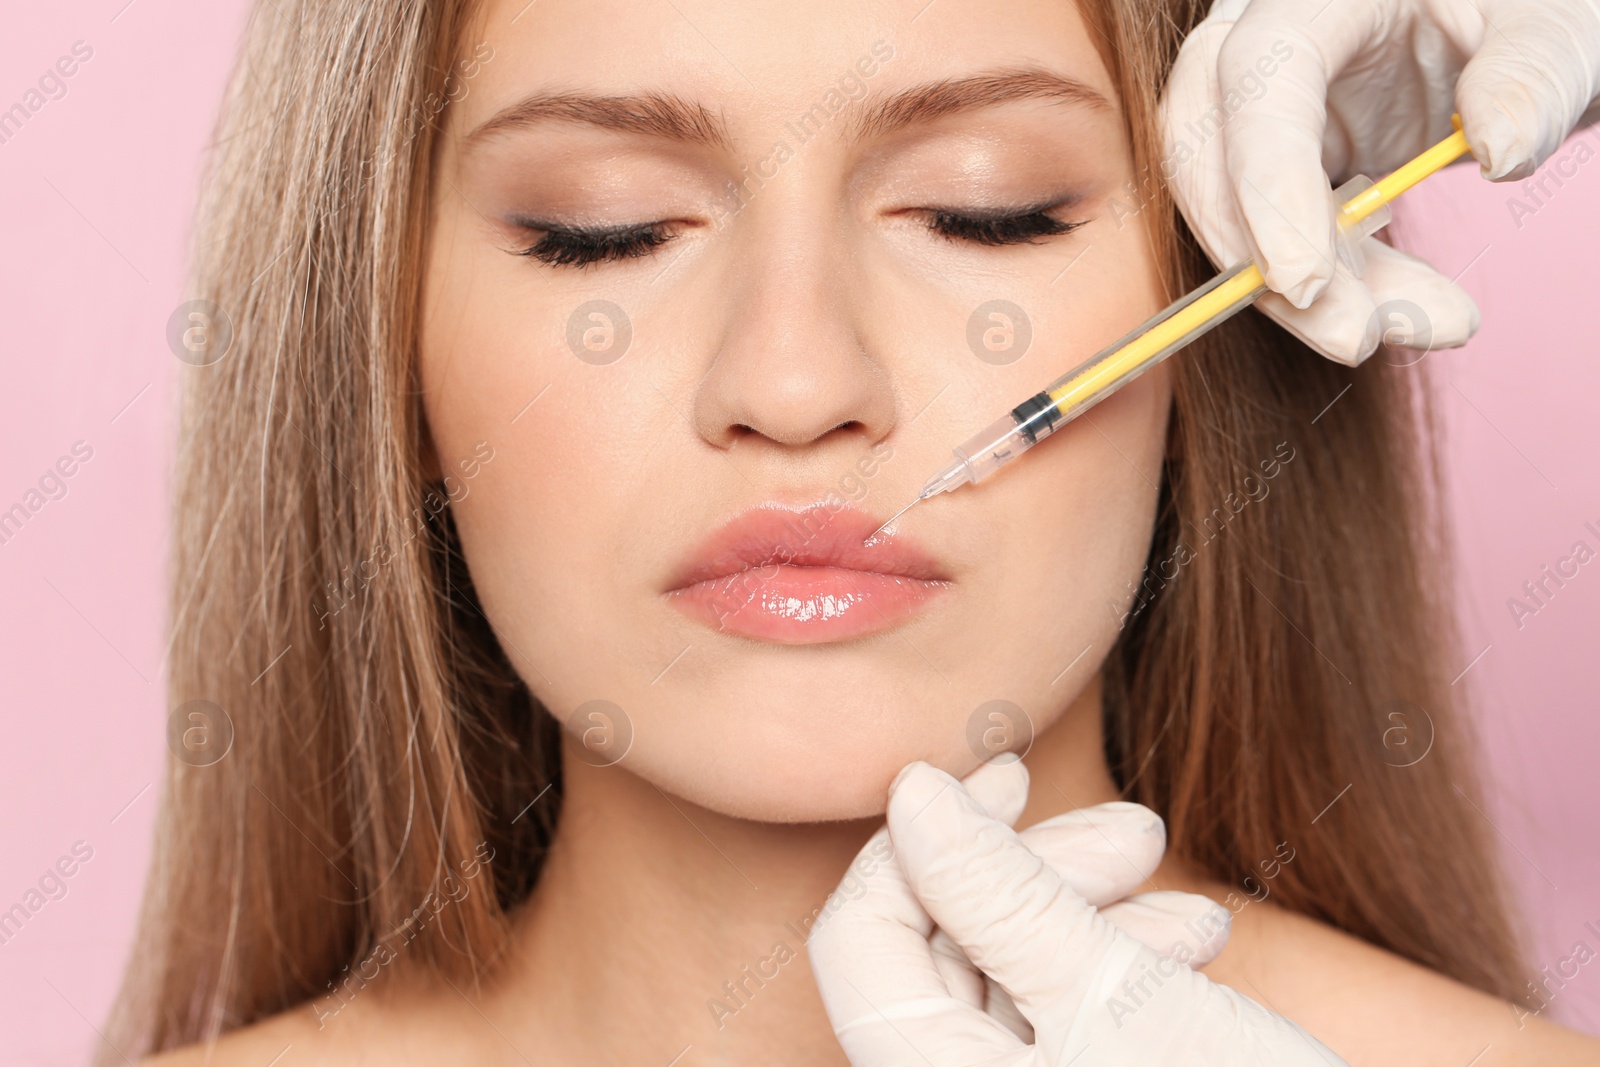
1089, 498
550, 527
1072, 527
1067, 530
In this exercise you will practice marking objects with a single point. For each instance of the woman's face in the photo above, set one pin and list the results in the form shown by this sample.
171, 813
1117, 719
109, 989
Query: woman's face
780, 258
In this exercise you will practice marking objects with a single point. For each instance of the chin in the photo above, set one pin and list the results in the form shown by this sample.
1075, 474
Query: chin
799, 753
826, 785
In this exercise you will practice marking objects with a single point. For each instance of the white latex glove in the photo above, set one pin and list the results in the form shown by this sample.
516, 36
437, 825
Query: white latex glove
1314, 90
1063, 964
1105, 853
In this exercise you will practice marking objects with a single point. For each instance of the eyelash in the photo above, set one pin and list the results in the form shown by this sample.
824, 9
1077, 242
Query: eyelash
580, 247
1025, 228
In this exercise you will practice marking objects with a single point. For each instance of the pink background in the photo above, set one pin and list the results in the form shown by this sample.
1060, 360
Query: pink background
95, 199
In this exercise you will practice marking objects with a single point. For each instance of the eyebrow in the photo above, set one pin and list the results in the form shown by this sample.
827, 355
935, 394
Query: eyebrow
652, 114
923, 103
672, 118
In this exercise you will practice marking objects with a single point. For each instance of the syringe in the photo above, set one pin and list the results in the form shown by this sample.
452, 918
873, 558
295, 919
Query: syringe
1363, 210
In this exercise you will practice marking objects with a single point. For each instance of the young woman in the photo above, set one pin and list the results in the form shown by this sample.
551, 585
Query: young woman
576, 348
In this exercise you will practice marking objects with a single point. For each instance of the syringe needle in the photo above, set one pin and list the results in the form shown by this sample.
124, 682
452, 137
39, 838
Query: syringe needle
893, 517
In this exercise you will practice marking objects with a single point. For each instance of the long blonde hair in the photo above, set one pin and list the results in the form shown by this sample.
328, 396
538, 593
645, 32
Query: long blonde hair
382, 748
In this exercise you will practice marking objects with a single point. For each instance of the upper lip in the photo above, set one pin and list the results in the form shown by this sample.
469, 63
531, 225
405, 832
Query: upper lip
813, 536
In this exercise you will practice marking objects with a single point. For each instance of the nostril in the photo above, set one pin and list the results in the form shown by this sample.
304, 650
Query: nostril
738, 431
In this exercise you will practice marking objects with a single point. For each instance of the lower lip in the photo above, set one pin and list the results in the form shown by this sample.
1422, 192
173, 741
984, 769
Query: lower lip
805, 605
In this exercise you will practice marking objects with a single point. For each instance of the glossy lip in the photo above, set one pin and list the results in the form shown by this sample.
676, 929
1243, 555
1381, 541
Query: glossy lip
804, 576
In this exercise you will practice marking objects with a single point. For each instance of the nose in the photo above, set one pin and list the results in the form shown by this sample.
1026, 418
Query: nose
792, 369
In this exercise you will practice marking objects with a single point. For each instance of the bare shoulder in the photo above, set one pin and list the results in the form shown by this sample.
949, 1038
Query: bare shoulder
269, 1041
367, 1031
1375, 1008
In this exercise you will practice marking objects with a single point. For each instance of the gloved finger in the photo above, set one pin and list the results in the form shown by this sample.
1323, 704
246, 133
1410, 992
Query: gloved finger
1194, 114
877, 917
1015, 917
1191, 928
971, 986
1161, 919
1523, 91
1273, 149
1192, 152
1416, 305
1399, 300
1001, 786
1003, 1010
869, 953
1104, 852
961, 978
880, 985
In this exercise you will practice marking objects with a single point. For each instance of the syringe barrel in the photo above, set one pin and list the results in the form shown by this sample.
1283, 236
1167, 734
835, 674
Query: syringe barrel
1150, 342
1153, 340
1086, 385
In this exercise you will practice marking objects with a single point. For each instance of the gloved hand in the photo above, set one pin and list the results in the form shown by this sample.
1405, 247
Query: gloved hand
1105, 853
1310, 91
1090, 994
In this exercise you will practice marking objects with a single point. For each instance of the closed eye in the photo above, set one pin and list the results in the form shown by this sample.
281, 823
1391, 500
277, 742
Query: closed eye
1020, 228
582, 246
